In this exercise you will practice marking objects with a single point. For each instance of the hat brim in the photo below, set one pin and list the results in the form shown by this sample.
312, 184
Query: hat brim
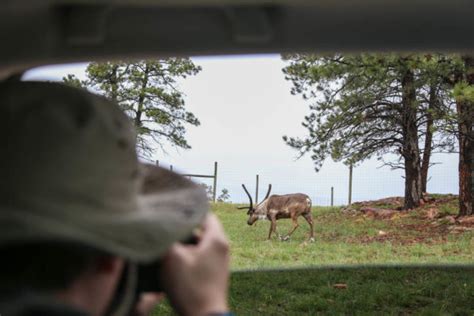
169, 208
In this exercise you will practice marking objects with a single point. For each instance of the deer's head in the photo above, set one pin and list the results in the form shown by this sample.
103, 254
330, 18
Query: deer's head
256, 212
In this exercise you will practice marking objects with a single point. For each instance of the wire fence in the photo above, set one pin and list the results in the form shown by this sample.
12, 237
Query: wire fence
332, 187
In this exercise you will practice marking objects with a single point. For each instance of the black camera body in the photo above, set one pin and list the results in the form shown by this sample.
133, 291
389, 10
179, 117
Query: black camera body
149, 277
149, 274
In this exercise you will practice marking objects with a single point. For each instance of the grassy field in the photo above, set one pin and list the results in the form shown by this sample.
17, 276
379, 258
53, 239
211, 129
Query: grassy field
362, 291
344, 239
351, 238
382, 291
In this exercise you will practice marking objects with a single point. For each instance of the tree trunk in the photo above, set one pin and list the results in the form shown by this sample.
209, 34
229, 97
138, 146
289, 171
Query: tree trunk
425, 164
410, 151
141, 98
465, 109
114, 83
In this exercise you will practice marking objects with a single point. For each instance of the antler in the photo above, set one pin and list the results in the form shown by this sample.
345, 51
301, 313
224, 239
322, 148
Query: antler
268, 193
250, 197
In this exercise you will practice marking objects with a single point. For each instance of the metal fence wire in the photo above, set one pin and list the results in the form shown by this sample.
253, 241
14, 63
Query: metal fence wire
336, 187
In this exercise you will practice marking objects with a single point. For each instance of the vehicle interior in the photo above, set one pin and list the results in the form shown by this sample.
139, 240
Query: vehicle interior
51, 32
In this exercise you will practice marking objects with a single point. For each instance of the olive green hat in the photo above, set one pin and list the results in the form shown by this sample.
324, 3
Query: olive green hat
69, 172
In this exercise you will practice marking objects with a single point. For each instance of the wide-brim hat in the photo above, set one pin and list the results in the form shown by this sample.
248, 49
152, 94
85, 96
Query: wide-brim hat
69, 172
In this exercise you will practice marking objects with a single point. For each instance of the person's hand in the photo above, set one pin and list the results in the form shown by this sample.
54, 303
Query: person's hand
196, 277
146, 303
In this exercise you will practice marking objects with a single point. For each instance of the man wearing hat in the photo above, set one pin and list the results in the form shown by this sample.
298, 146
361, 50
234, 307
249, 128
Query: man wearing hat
79, 214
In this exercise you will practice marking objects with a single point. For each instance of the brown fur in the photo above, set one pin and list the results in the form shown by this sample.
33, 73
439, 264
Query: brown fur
276, 207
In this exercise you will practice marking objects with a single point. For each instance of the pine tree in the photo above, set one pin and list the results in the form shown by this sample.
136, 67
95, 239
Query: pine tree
370, 105
148, 92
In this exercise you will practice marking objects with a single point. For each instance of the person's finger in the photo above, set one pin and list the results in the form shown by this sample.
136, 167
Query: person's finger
147, 303
212, 226
213, 233
179, 250
211, 221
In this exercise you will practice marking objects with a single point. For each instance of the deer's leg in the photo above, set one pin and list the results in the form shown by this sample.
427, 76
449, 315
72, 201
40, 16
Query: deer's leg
272, 227
309, 218
294, 220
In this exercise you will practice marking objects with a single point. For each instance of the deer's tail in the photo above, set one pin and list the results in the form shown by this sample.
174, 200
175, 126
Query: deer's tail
308, 204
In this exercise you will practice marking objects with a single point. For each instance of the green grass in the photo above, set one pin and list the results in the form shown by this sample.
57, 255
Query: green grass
349, 239
370, 291
342, 239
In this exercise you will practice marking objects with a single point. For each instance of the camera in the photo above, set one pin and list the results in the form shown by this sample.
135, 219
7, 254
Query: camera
149, 274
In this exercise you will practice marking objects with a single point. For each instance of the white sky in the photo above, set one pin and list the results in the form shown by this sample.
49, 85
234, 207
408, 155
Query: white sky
245, 107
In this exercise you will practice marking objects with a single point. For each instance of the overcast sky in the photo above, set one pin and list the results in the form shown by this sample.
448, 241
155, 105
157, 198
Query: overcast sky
245, 107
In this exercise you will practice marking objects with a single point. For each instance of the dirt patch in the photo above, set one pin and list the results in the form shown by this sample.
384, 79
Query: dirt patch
431, 213
407, 234
426, 224
378, 213
394, 202
466, 221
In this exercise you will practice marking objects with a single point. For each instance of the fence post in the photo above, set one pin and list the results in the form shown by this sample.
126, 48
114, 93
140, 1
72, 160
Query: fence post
332, 196
171, 167
350, 184
214, 187
256, 189
157, 163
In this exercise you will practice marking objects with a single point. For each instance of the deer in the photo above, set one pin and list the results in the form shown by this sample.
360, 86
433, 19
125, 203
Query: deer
276, 207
